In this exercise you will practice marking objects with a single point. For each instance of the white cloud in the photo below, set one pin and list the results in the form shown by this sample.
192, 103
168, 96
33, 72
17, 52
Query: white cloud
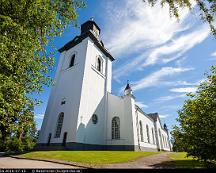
184, 90
141, 105
154, 78
129, 66
134, 25
39, 116
177, 47
213, 54
164, 54
164, 116
171, 97
147, 34
179, 82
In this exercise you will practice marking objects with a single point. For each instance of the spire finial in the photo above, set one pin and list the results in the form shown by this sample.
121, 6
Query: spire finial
92, 18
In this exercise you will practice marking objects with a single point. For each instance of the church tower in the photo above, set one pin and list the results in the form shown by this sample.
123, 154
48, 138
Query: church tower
76, 110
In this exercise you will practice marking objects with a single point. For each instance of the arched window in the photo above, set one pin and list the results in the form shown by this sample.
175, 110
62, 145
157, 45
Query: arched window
59, 125
94, 119
162, 140
99, 64
116, 128
153, 136
165, 141
141, 131
147, 130
72, 60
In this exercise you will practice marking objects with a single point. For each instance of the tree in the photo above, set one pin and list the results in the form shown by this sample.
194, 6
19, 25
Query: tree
177, 140
197, 121
207, 9
27, 27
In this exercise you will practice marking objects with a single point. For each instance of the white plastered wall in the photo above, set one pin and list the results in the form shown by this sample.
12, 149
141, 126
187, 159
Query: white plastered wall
93, 97
68, 84
146, 121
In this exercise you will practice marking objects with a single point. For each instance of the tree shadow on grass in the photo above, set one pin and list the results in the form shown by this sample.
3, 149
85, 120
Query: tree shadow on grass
182, 164
164, 165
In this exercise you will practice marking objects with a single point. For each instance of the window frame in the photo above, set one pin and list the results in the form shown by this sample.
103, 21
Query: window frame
72, 60
99, 64
153, 136
94, 121
141, 131
147, 132
59, 125
115, 127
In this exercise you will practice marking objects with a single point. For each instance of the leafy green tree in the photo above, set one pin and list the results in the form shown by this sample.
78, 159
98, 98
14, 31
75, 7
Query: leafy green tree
197, 121
207, 9
27, 27
176, 139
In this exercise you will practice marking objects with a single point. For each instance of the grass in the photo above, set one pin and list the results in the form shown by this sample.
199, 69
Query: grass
90, 157
181, 161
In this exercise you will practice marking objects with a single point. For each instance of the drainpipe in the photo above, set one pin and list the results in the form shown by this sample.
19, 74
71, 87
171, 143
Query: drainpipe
105, 103
137, 129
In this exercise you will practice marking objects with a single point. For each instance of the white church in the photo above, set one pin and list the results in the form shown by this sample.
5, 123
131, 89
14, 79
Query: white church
83, 114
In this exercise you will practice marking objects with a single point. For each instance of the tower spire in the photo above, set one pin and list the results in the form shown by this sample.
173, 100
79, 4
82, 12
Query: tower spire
127, 90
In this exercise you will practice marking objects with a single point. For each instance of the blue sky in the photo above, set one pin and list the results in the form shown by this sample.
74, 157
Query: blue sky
162, 58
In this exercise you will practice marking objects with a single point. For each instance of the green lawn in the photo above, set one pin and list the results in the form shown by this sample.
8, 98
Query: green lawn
181, 161
90, 157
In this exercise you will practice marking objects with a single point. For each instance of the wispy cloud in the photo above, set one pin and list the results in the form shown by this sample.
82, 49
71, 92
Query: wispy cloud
213, 54
141, 105
138, 24
179, 83
170, 97
164, 54
154, 78
177, 47
147, 35
184, 90
39, 116
164, 116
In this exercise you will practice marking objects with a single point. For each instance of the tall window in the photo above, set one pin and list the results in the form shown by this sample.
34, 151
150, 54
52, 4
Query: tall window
147, 130
99, 64
72, 60
59, 125
153, 137
141, 131
116, 128
165, 141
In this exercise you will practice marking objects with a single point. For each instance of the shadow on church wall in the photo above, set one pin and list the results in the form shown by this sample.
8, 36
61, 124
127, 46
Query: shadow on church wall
93, 133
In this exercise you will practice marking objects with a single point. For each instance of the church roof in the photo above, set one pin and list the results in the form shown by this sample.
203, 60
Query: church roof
79, 39
155, 116
137, 107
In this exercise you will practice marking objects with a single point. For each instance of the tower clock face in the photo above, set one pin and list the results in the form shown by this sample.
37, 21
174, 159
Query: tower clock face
94, 119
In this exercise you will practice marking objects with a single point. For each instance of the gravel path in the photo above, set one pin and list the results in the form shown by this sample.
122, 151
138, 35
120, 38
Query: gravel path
8, 162
157, 161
